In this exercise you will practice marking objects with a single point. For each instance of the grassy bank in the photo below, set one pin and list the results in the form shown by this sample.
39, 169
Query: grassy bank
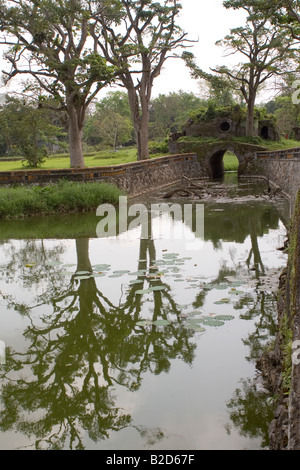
66, 196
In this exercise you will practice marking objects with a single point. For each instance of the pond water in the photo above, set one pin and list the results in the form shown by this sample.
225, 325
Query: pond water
133, 342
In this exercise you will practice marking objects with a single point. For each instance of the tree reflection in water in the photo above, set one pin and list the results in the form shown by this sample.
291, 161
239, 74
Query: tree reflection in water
62, 385
81, 346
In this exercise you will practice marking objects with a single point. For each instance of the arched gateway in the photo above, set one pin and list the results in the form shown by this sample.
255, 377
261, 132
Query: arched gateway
214, 160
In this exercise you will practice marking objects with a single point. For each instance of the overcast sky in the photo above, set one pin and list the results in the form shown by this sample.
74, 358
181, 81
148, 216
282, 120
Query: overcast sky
205, 21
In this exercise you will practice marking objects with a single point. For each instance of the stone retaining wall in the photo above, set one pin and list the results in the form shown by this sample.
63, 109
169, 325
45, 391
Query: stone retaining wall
281, 364
134, 178
293, 314
282, 168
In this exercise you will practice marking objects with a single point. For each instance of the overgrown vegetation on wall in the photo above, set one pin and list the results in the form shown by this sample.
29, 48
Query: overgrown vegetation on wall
276, 364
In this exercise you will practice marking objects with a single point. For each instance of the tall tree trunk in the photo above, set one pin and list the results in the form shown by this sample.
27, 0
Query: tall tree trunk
250, 114
140, 118
143, 135
83, 258
76, 122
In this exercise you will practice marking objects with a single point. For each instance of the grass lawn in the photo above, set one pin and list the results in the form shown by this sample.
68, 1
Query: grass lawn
103, 158
231, 162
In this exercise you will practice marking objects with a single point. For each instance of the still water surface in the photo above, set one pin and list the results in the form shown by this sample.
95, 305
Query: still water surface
132, 343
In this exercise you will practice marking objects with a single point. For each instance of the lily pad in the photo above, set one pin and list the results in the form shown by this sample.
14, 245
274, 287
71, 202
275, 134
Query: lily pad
136, 281
143, 291
170, 255
175, 270
208, 286
195, 325
236, 292
162, 322
101, 267
122, 271
157, 288
223, 317
213, 322
195, 312
199, 329
144, 323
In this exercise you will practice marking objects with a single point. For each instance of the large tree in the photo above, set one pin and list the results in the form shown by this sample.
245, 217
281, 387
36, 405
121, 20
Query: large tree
49, 41
266, 49
139, 43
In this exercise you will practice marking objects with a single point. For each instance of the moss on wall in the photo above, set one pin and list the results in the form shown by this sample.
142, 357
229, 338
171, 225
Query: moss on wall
282, 376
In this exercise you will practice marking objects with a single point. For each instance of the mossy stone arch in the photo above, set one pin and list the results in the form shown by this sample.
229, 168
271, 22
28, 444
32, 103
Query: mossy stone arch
215, 164
210, 155
213, 158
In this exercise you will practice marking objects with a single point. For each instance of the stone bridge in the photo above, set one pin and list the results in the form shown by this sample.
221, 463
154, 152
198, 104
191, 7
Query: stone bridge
280, 167
210, 155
